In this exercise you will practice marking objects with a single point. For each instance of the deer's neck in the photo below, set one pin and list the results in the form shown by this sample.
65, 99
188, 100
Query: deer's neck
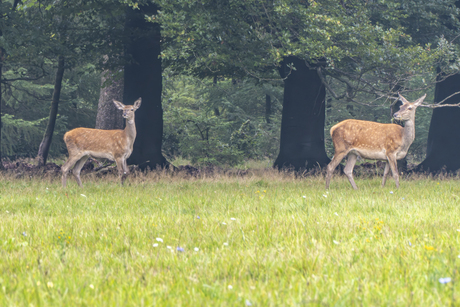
130, 130
408, 134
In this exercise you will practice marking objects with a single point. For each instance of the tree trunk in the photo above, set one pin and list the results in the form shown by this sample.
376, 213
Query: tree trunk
44, 148
142, 78
443, 138
303, 117
108, 116
214, 83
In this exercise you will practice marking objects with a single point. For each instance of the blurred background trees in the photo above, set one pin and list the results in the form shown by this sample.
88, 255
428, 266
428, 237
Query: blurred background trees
224, 82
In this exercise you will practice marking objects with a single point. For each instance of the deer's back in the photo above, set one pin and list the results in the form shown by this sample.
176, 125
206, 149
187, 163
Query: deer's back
95, 140
366, 135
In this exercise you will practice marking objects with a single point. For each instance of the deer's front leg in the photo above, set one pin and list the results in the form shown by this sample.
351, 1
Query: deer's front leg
125, 167
121, 169
385, 173
394, 169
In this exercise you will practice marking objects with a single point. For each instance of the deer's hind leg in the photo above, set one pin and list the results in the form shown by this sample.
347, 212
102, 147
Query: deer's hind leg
385, 173
77, 169
67, 166
338, 157
348, 170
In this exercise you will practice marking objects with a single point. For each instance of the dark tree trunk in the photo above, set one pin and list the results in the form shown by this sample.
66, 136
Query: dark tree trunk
444, 137
142, 78
268, 108
108, 116
214, 83
303, 117
44, 148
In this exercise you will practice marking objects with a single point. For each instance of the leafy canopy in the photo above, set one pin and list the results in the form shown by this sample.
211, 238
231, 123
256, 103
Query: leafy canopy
366, 45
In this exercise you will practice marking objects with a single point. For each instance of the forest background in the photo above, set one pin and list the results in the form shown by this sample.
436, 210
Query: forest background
224, 82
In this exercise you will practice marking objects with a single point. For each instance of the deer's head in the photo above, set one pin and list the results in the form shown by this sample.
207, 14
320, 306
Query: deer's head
407, 110
128, 111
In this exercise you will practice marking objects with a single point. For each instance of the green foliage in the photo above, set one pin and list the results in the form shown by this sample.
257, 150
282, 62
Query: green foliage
367, 51
19, 137
364, 51
26, 109
33, 35
22, 138
81, 31
222, 122
243, 140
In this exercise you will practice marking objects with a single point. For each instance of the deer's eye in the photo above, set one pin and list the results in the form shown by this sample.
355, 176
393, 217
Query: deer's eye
410, 108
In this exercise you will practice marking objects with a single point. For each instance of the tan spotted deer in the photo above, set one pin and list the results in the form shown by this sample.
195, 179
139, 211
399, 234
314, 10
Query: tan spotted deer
116, 145
375, 141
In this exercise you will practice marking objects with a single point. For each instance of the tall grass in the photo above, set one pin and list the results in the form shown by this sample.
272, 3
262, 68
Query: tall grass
265, 239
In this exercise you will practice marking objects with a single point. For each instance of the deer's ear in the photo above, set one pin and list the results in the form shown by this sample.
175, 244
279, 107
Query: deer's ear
420, 100
403, 100
119, 105
137, 103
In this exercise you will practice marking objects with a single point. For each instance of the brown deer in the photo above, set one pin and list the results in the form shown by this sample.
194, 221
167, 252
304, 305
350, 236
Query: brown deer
116, 145
376, 141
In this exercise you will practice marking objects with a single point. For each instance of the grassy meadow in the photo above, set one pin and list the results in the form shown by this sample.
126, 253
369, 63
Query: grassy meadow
263, 239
